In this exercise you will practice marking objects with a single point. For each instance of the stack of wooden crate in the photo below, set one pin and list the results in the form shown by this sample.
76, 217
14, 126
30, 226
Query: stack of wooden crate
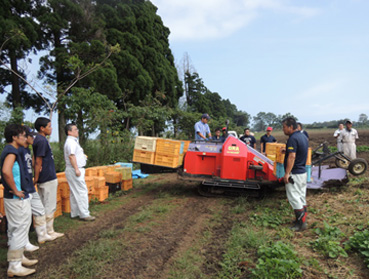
127, 182
159, 151
144, 150
168, 153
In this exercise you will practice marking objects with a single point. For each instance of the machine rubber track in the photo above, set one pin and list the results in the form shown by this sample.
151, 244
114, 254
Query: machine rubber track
212, 191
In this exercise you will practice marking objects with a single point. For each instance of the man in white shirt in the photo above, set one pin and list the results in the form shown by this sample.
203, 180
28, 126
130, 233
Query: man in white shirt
338, 136
75, 161
349, 136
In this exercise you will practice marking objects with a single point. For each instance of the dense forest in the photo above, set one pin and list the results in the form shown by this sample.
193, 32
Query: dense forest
106, 65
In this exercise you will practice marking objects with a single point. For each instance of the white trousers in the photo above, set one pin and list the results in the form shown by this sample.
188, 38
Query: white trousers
339, 146
296, 192
78, 193
37, 207
47, 192
349, 149
19, 217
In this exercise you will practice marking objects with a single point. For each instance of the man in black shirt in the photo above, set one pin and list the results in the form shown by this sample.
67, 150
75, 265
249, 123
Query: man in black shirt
266, 138
295, 176
248, 139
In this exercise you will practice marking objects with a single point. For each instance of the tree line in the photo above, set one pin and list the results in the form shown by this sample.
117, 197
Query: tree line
105, 65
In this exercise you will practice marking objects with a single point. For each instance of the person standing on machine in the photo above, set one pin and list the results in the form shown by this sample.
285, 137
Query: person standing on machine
202, 128
295, 177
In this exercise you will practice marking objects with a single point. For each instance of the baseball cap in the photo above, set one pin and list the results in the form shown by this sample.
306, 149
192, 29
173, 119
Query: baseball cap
269, 129
349, 121
29, 131
224, 128
205, 115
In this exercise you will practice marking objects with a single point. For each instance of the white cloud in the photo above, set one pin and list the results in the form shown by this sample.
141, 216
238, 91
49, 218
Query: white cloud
204, 19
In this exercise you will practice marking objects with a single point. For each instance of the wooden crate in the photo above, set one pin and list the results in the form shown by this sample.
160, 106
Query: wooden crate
186, 145
66, 205
91, 172
279, 155
270, 148
145, 144
271, 157
2, 208
1, 191
113, 177
308, 159
180, 159
145, 157
58, 194
60, 175
168, 147
97, 171
170, 161
64, 188
127, 184
126, 172
59, 210
101, 194
90, 183
100, 182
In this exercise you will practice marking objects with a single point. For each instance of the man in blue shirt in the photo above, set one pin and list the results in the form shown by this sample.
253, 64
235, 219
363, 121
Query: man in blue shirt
295, 176
16, 201
38, 210
202, 128
45, 174
266, 138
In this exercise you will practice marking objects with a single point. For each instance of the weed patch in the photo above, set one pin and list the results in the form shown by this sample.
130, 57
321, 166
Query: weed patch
278, 260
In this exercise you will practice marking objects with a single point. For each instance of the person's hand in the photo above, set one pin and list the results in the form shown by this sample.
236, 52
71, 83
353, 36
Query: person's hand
78, 172
19, 194
286, 177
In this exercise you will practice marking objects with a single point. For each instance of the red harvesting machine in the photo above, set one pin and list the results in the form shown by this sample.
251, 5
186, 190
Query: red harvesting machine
228, 166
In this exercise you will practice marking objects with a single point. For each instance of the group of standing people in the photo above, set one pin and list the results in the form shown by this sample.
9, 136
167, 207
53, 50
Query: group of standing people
346, 139
22, 201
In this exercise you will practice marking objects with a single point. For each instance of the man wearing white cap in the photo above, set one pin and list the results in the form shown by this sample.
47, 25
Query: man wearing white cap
349, 136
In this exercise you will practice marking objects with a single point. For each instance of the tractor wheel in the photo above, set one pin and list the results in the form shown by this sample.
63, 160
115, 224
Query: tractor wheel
358, 166
342, 163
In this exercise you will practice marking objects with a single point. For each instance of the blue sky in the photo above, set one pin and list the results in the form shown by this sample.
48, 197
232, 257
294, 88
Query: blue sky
306, 57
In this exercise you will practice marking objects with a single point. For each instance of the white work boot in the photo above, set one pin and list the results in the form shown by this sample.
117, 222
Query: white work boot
40, 227
50, 227
28, 262
30, 247
15, 268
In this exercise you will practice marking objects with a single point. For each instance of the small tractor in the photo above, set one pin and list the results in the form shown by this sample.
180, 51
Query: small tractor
233, 166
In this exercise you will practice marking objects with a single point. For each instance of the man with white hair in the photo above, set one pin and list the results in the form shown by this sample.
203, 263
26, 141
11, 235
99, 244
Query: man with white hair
349, 136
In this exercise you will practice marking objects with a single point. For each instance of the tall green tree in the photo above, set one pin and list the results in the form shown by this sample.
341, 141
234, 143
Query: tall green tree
145, 65
19, 33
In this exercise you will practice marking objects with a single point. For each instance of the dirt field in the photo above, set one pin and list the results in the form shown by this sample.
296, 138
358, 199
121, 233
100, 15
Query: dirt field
164, 229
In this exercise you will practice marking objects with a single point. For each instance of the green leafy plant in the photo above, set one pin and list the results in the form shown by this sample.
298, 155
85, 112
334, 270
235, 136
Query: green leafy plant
328, 243
360, 242
278, 260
